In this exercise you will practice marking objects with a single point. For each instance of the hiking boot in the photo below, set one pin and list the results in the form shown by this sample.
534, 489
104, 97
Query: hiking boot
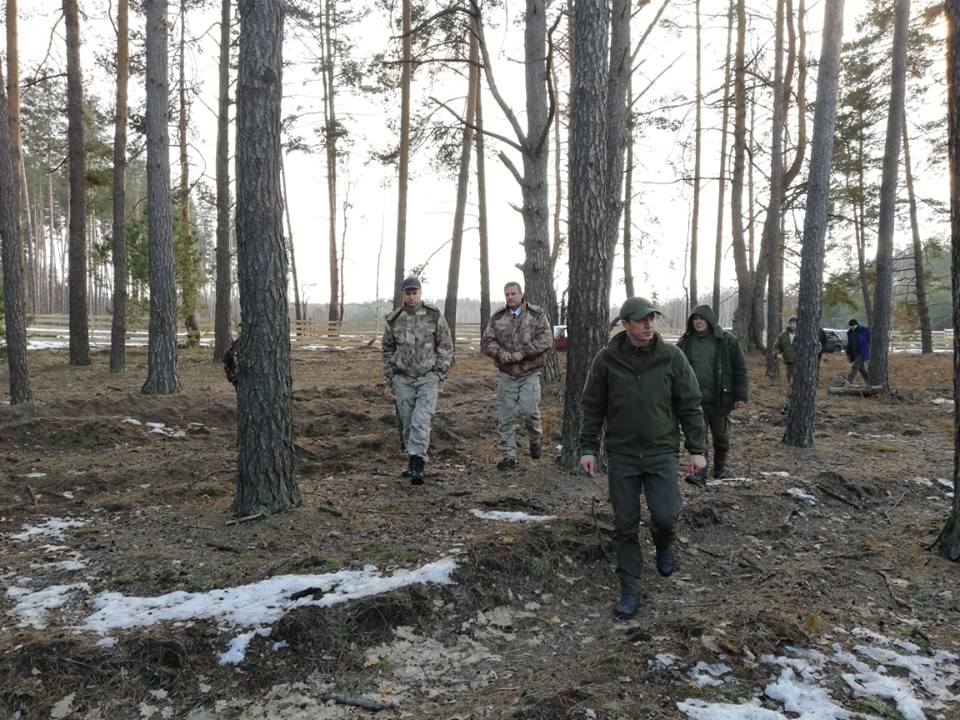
506, 464
409, 471
699, 479
536, 451
720, 472
627, 607
665, 561
416, 470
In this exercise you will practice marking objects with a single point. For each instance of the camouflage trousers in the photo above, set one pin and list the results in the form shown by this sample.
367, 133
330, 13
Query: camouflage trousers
858, 365
511, 392
416, 403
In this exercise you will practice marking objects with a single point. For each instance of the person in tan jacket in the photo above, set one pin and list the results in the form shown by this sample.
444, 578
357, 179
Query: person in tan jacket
517, 338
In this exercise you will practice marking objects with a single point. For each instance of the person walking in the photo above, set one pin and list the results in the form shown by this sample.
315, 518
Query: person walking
417, 354
721, 369
517, 338
645, 391
787, 347
858, 350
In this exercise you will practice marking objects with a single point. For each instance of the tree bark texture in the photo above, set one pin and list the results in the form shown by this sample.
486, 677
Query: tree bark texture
802, 392
722, 175
331, 135
770, 243
13, 275
265, 458
403, 172
628, 201
190, 254
222, 332
949, 541
19, 176
162, 371
697, 133
463, 185
923, 309
797, 53
485, 310
297, 310
118, 330
741, 317
883, 293
589, 247
79, 331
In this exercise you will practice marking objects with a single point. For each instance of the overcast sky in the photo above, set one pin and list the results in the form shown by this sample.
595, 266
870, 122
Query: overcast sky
663, 201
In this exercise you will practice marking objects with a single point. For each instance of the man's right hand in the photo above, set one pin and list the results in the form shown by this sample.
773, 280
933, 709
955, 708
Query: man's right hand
588, 463
505, 357
388, 392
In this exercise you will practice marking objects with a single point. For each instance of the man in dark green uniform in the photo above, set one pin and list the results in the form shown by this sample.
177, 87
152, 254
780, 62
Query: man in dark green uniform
645, 390
721, 371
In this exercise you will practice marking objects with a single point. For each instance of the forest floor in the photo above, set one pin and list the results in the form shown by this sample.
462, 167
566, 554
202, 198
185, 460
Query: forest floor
804, 586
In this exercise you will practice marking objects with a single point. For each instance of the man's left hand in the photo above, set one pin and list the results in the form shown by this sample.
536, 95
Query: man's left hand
517, 356
697, 463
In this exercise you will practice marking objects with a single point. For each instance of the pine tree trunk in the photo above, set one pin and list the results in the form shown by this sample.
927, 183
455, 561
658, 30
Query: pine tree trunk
949, 540
628, 201
265, 458
883, 294
406, 78
221, 332
557, 198
802, 393
463, 184
19, 176
297, 312
485, 310
741, 318
79, 331
189, 253
770, 243
923, 309
118, 330
331, 133
162, 371
12, 254
588, 214
722, 175
698, 131
618, 80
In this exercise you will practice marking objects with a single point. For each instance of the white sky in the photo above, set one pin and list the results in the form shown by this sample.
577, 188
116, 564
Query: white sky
662, 207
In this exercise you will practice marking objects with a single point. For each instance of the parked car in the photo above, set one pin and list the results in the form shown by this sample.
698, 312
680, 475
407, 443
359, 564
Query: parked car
835, 340
560, 337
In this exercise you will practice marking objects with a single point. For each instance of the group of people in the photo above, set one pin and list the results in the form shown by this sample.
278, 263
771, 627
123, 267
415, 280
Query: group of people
640, 395
857, 349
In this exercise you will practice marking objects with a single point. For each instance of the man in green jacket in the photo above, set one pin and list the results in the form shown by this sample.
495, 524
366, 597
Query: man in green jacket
721, 371
645, 391
787, 347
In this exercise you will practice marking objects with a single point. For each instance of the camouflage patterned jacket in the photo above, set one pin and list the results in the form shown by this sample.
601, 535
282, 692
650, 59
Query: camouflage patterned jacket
416, 343
530, 334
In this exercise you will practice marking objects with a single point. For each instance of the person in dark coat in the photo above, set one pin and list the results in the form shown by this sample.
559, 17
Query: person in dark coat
721, 370
858, 349
640, 393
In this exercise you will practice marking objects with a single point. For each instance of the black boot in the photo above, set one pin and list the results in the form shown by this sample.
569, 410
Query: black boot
416, 470
409, 471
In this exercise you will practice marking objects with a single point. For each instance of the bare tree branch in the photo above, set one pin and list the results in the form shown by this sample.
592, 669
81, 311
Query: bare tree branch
646, 34
489, 133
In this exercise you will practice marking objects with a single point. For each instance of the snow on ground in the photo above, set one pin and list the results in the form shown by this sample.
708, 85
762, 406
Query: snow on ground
801, 494
52, 527
252, 608
802, 685
502, 516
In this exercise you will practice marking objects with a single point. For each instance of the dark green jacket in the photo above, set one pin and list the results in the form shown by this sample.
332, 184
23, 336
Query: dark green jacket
787, 347
644, 409
730, 365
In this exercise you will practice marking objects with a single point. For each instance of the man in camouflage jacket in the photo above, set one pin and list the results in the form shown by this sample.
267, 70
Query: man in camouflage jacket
417, 354
517, 338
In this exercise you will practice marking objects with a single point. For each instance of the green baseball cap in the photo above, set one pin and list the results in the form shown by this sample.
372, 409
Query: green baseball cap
636, 308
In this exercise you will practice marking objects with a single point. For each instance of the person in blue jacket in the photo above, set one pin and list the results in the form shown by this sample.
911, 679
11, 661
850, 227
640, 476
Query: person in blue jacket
858, 349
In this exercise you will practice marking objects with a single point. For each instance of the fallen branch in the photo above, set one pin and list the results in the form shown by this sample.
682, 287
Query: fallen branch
33, 495
248, 518
356, 702
329, 509
896, 600
861, 390
838, 496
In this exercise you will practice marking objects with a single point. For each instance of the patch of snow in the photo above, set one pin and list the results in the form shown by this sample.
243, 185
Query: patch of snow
237, 648
776, 473
34, 475
63, 708
502, 516
132, 421
704, 674
924, 482
65, 565
32, 607
702, 710
107, 642
662, 661
801, 494
256, 605
948, 484
942, 401
54, 527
